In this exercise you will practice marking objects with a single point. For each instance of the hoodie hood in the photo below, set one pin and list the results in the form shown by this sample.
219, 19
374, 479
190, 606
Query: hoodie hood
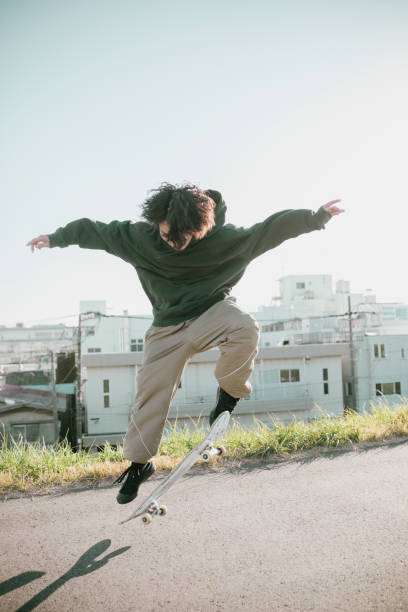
220, 208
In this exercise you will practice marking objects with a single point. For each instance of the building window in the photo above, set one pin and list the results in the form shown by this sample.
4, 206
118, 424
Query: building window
18, 432
136, 345
349, 388
295, 324
300, 286
294, 376
388, 388
382, 348
106, 393
326, 378
27, 431
284, 376
289, 376
403, 353
90, 331
273, 327
94, 350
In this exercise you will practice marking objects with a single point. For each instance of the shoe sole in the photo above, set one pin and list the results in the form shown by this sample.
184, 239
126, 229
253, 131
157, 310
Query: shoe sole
122, 498
125, 499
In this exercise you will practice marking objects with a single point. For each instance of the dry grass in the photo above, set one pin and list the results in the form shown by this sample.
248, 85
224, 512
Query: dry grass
29, 467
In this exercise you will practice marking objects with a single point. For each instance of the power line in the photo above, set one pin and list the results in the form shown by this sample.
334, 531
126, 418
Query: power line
105, 316
147, 316
48, 319
328, 316
75, 316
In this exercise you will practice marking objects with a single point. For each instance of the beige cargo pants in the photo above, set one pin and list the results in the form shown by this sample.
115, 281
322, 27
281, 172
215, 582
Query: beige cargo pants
167, 350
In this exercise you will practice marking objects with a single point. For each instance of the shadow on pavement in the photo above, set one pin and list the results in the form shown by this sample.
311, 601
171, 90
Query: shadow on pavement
18, 581
86, 564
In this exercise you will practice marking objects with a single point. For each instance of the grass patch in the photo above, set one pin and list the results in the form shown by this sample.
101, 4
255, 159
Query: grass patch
26, 467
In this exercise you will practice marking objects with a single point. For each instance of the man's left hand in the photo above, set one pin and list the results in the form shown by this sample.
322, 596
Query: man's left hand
332, 209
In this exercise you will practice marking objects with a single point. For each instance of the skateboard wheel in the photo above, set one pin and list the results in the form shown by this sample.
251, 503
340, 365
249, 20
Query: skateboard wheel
162, 510
221, 450
206, 456
146, 518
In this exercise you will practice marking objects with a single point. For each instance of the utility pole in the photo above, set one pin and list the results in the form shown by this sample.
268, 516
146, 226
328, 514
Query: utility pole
54, 400
352, 361
78, 394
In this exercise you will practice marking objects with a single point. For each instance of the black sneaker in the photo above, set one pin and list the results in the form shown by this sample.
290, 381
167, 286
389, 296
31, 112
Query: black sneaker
135, 474
225, 401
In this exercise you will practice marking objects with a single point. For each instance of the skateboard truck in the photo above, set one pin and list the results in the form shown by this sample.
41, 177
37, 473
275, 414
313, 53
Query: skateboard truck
153, 510
211, 451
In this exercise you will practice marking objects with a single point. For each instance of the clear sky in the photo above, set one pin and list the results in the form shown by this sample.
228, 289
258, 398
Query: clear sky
277, 104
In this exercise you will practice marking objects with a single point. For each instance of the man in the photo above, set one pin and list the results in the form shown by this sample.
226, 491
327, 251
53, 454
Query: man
187, 260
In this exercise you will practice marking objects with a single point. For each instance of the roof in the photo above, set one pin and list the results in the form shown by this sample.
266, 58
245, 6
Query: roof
290, 351
29, 397
23, 406
62, 388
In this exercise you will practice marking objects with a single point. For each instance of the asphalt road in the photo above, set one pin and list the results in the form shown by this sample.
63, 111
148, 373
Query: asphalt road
322, 533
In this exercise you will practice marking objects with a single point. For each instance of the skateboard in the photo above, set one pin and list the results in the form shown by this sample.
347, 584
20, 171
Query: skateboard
204, 450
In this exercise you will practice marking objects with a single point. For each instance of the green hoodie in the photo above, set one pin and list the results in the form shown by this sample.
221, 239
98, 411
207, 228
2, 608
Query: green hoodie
183, 284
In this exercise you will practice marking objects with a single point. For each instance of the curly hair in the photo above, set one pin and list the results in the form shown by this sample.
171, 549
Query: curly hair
188, 210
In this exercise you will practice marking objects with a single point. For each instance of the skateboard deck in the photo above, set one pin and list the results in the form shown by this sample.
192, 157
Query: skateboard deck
204, 450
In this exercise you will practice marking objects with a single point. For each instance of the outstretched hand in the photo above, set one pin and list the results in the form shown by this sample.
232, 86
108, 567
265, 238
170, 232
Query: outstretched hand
332, 209
39, 243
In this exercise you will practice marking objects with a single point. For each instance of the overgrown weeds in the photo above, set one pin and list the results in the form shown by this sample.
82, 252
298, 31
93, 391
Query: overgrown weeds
26, 467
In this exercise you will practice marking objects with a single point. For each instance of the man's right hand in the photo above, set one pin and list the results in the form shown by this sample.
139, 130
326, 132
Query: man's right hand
39, 243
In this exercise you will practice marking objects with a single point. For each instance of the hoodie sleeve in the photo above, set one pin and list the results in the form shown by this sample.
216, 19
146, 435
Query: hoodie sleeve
283, 225
115, 237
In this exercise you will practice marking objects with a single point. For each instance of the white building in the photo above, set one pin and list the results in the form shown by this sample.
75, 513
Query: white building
20, 344
382, 370
111, 334
310, 318
307, 295
308, 311
304, 360
301, 382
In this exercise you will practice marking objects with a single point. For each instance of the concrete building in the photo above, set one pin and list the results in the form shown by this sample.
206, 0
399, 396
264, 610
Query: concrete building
112, 334
309, 318
308, 311
306, 295
27, 413
300, 382
304, 360
381, 372
26, 345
